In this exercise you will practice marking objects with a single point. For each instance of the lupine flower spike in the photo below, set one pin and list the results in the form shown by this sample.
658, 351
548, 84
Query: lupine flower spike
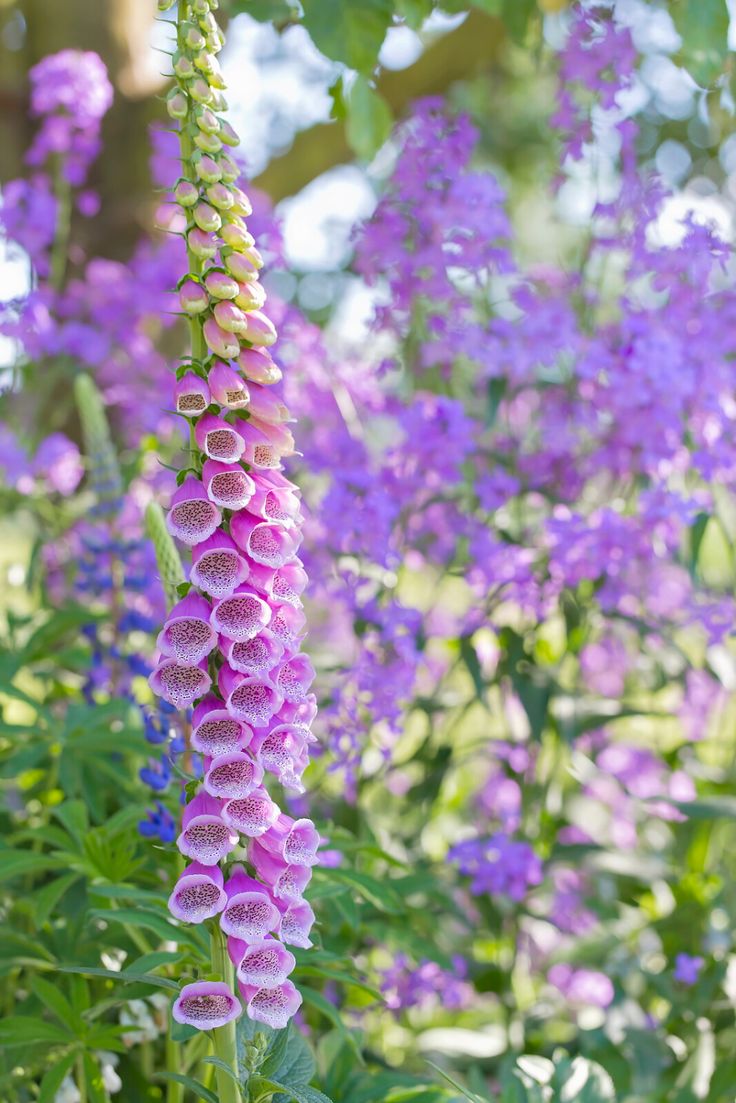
230, 645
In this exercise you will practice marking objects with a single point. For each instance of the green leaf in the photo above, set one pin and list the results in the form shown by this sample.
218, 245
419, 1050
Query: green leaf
194, 1086
152, 921
516, 15
458, 1087
53, 1078
72, 814
587, 1080
14, 863
220, 1064
48, 896
300, 1093
95, 1084
297, 1064
703, 26
380, 894
470, 657
54, 1000
369, 119
125, 976
414, 12
349, 32
708, 808
338, 976
318, 1001
19, 1030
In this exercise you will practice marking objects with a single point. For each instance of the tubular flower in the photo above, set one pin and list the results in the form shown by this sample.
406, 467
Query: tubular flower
230, 646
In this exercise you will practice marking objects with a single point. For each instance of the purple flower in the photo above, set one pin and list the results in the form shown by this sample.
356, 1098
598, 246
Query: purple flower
206, 1005
70, 93
582, 987
57, 460
687, 968
499, 866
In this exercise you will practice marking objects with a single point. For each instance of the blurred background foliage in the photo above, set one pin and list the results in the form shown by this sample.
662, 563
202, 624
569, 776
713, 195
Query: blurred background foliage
316, 90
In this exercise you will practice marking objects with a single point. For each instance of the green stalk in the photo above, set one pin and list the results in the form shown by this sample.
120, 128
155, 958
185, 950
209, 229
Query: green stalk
224, 1037
63, 193
81, 1079
173, 1059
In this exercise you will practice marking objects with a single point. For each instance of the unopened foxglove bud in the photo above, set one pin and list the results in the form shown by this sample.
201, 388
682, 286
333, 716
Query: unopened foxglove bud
241, 203
230, 171
220, 196
237, 236
206, 217
183, 67
221, 286
228, 135
209, 143
202, 244
230, 317
177, 104
207, 120
251, 295
200, 91
206, 168
186, 193
193, 298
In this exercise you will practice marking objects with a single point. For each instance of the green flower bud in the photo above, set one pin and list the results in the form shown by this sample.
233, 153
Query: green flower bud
210, 143
207, 120
228, 135
183, 67
186, 193
221, 197
206, 217
229, 171
177, 104
200, 91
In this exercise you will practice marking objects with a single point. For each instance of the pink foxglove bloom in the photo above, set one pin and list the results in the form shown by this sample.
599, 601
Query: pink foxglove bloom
272, 1006
218, 568
188, 635
230, 647
198, 894
206, 1005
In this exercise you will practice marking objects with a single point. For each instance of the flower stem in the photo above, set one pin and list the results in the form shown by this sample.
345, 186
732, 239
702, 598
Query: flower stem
224, 1037
60, 247
81, 1079
174, 1090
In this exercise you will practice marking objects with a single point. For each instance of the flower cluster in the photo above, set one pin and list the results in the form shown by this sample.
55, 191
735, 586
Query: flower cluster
70, 93
230, 646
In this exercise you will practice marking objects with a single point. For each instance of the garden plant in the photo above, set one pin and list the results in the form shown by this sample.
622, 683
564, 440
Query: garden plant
368, 552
